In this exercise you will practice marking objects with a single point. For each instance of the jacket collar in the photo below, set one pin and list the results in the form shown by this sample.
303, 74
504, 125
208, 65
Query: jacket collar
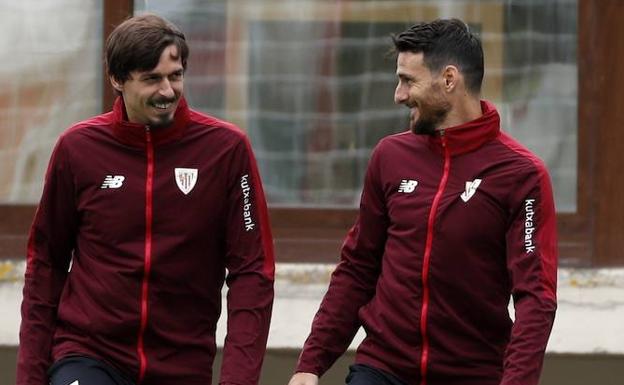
470, 135
135, 135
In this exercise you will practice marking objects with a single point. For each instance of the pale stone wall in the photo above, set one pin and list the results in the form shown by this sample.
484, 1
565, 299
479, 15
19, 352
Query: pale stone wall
589, 317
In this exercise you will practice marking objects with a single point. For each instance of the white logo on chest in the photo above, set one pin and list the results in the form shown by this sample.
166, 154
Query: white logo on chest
185, 179
471, 188
407, 186
113, 181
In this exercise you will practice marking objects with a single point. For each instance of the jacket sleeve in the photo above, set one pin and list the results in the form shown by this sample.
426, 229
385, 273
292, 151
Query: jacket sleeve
532, 265
251, 265
353, 281
50, 245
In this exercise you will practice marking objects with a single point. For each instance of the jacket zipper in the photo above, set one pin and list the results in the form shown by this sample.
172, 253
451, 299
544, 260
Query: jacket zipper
148, 253
426, 259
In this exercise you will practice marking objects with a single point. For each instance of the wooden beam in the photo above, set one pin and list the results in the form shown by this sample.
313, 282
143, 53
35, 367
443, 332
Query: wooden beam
115, 12
601, 115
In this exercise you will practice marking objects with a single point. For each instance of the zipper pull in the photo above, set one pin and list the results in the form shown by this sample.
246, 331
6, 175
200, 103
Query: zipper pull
148, 134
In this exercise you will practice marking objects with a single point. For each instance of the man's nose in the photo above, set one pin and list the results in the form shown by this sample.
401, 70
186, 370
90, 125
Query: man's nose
400, 94
165, 89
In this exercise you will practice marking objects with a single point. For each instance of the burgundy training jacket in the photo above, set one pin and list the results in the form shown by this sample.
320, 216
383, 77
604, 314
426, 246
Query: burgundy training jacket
150, 221
449, 227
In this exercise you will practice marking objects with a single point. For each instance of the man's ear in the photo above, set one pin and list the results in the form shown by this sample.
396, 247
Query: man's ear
450, 74
116, 85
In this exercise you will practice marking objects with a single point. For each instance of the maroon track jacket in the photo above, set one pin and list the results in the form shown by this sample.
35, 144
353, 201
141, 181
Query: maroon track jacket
449, 227
150, 222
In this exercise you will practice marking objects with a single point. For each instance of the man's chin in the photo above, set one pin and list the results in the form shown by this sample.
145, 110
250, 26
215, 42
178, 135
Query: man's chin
421, 127
162, 121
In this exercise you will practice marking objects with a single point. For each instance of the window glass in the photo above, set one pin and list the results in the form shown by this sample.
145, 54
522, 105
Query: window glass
313, 85
51, 78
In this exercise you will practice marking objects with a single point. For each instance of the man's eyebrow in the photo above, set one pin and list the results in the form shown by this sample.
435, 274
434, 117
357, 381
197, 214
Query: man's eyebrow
155, 74
150, 75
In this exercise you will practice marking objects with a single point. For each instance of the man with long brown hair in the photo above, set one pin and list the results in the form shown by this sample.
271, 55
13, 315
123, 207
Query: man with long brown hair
143, 210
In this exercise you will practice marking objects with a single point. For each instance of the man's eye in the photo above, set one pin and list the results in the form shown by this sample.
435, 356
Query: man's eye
406, 80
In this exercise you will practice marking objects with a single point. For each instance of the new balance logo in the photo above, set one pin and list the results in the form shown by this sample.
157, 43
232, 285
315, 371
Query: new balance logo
471, 188
113, 181
407, 186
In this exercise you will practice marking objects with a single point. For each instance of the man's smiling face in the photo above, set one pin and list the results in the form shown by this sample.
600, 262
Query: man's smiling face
152, 97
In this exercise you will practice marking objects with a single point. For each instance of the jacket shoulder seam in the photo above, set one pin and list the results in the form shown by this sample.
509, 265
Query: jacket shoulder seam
212, 122
534, 162
97, 121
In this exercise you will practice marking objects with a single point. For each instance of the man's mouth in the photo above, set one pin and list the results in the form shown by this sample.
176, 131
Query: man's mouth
162, 105
414, 112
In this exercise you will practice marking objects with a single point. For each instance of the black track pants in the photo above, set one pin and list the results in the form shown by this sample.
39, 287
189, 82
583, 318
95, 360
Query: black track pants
367, 375
79, 370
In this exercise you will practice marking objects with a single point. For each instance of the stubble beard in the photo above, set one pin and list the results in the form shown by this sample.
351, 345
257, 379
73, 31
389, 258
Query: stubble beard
427, 124
431, 113
164, 120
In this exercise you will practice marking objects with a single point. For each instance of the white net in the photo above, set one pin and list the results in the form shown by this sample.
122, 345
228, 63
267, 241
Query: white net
309, 80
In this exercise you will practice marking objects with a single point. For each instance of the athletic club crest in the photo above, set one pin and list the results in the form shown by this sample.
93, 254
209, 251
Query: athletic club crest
185, 179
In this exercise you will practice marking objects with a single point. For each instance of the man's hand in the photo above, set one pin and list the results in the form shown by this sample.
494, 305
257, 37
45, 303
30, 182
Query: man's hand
303, 379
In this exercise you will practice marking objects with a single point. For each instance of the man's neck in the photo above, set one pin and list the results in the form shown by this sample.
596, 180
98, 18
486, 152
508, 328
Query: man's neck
466, 110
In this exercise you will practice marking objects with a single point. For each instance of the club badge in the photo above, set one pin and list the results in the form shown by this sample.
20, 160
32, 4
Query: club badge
185, 179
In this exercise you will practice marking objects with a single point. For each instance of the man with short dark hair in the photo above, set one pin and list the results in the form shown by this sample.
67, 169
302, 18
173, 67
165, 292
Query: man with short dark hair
455, 218
143, 210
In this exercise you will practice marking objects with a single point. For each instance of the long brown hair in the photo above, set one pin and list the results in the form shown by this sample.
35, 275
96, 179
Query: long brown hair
137, 43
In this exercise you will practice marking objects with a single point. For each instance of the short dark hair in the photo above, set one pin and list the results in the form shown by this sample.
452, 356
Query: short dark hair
444, 42
137, 43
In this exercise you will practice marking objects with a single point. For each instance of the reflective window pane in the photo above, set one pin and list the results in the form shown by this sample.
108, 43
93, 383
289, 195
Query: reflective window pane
51, 78
312, 84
